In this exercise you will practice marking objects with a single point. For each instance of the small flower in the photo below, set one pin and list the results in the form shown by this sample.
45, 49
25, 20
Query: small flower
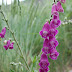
11, 45
54, 54
3, 32
43, 70
7, 45
55, 23
44, 61
53, 32
56, 15
59, 7
63, 1
45, 48
53, 43
54, 9
45, 30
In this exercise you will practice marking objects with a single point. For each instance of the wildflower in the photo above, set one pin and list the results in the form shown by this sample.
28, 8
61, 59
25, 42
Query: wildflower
54, 9
54, 54
49, 32
53, 32
55, 23
43, 70
56, 15
59, 7
45, 30
44, 61
11, 45
3, 32
45, 48
7, 45
53, 43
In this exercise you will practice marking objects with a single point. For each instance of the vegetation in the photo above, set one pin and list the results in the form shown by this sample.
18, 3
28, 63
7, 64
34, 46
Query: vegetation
26, 20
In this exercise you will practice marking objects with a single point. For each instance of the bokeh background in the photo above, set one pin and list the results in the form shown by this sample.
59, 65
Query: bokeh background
26, 18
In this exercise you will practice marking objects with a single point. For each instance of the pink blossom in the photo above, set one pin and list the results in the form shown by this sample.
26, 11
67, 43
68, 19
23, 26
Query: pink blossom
45, 30
44, 61
54, 9
11, 45
3, 32
59, 7
55, 23
7, 45
53, 43
43, 70
45, 48
54, 54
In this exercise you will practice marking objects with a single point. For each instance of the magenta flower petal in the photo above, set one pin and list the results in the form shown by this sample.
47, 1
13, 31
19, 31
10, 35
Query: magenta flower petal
54, 54
7, 45
44, 61
11, 46
45, 43
59, 7
45, 29
46, 50
54, 9
43, 70
56, 15
55, 23
53, 31
3, 32
53, 43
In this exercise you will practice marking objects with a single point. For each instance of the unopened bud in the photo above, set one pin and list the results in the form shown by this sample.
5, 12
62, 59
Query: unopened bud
65, 18
5, 41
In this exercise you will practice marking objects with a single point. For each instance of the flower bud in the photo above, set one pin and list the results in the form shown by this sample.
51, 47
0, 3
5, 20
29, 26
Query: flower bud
5, 41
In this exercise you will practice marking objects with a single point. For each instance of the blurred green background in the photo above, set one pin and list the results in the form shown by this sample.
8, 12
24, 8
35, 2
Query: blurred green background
26, 19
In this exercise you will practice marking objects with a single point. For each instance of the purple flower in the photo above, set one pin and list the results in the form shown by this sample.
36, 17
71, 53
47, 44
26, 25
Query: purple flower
3, 32
54, 9
59, 7
43, 70
11, 45
56, 15
7, 45
44, 61
45, 48
45, 30
53, 43
63, 1
53, 32
54, 54
55, 23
